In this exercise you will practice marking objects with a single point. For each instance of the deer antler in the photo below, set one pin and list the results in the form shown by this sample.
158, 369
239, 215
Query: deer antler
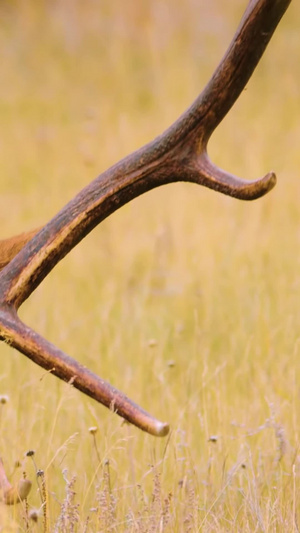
179, 154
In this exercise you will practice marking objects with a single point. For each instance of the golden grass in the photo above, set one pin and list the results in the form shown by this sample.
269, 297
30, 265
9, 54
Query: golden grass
186, 300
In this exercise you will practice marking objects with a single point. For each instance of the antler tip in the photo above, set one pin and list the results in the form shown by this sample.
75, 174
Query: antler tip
159, 429
256, 189
270, 180
265, 185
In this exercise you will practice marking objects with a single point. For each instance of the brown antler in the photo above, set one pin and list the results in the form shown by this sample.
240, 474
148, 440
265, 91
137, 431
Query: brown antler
179, 154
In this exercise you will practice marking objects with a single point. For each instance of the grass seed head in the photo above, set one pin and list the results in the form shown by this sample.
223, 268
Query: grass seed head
30, 453
34, 515
4, 398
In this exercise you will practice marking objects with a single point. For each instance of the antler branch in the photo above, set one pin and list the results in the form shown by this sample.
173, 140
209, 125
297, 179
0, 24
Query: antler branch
179, 154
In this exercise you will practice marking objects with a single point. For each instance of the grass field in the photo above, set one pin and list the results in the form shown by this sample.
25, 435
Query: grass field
186, 300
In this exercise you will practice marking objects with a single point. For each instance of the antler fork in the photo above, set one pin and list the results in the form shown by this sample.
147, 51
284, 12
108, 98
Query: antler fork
179, 154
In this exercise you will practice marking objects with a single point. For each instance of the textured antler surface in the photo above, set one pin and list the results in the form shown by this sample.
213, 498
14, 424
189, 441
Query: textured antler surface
179, 154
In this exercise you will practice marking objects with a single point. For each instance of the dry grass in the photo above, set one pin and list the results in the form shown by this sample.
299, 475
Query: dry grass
186, 300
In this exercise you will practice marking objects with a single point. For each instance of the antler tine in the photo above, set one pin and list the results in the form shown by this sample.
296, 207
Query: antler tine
219, 180
177, 155
46, 355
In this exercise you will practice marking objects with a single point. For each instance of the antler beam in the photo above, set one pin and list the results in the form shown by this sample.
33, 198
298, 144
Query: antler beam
179, 154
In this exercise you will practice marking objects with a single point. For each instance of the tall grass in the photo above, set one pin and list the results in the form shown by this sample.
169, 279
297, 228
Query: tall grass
186, 300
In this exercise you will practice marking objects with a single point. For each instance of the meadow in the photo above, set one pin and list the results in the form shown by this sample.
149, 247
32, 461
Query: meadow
186, 300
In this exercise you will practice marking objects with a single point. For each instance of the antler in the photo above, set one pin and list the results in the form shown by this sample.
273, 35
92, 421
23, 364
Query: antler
179, 154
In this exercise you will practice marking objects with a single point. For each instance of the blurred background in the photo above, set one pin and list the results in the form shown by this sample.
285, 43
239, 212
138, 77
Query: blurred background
186, 300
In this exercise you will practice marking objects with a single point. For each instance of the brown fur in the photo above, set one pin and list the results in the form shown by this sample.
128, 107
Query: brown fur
10, 247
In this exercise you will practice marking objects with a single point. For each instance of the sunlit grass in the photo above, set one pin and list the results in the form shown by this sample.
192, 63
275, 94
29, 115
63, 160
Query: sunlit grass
186, 300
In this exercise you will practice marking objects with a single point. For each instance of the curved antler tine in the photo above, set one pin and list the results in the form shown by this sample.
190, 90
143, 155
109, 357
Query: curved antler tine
46, 355
215, 178
194, 128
